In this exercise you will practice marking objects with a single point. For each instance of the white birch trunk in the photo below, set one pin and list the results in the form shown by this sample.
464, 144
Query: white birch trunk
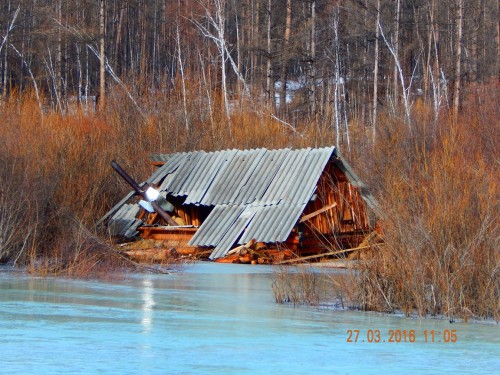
458, 57
102, 65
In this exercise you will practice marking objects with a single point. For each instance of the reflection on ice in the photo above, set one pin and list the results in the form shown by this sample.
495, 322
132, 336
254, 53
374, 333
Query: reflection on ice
148, 303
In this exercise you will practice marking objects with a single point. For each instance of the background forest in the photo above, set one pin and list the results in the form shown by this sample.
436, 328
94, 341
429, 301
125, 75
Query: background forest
407, 90
326, 61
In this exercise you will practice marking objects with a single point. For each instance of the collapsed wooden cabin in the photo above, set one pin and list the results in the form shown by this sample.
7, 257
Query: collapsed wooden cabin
251, 205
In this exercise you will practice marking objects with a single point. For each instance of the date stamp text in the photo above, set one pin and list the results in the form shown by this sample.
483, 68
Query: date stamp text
401, 336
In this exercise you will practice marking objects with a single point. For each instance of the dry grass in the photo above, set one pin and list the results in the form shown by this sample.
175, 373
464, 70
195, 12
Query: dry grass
309, 285
296, 285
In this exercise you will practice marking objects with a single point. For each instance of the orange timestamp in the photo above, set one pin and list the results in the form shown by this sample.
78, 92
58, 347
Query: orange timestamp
401, 336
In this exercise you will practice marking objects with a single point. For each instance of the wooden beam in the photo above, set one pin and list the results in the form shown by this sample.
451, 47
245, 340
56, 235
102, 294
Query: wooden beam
316, 213
325, 254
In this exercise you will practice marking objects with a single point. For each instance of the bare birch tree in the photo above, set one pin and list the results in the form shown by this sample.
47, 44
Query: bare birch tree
458, 56
102, 57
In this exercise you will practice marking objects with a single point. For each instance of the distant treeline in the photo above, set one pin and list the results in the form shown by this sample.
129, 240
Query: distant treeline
307, 59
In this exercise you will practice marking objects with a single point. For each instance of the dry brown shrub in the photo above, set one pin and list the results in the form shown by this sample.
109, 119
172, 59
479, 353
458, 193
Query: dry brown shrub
314, 286
295, 285
438, 184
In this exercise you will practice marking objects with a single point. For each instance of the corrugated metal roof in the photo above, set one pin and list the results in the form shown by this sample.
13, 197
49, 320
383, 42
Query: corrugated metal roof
262, 177
259, 177
123, 220
216, 225
232, 176
272, 223
233, 232
266, 202
257, 194
116, 208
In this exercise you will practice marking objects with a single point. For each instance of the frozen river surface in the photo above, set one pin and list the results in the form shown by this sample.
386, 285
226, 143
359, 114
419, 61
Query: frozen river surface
217, 319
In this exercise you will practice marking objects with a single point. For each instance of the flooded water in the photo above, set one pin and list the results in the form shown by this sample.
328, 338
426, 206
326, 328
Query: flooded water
217, 319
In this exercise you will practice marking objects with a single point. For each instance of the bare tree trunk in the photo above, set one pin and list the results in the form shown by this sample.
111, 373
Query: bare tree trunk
458, 57
143, 71
156, 48
118, 33
238, 50
219, 24
498, 40
285, 54
336, 104
221, 29
395, 43
87, 79
79, 73
312, 61
5, 43
58, 59
102, 58
209, 96
364, 83
375, 72
474, 51
435, 77
405, 90
181, 69
269, 89
255, 39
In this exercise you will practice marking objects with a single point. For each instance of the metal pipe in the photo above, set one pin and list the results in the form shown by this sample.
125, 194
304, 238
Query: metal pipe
142, 192
127, 177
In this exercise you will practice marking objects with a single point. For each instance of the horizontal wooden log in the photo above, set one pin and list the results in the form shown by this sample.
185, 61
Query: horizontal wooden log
152, 255
331, 253
245, 259
182, 234
190, 250
233, 258
168, 237
163, 229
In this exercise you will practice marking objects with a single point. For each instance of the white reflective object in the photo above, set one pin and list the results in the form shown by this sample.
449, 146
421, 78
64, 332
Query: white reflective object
152, 194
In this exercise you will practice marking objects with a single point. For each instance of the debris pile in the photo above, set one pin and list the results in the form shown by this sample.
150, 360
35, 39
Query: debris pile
256, 253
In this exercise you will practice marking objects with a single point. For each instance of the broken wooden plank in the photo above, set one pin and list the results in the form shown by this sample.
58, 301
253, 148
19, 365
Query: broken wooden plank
315, 213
